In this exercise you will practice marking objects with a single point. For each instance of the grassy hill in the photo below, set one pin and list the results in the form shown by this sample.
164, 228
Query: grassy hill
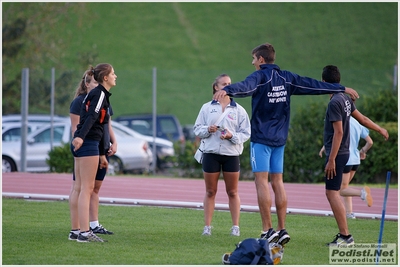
191, 43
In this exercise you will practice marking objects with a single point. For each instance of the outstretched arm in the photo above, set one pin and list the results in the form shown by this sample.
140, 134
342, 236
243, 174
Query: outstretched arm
367, 122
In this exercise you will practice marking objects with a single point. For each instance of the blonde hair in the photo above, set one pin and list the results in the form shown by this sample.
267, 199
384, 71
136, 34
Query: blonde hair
215, 83
82, 87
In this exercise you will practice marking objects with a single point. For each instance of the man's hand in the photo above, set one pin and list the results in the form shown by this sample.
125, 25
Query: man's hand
219, 95
384, 133
330, 169
352, 93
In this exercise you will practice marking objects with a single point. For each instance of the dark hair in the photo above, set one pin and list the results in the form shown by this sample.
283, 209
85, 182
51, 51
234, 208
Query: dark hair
100, 71
82, 88
331, 74
216, 81
266, 51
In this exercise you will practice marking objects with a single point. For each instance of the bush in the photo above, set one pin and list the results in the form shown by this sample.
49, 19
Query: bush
60, 159
184, 163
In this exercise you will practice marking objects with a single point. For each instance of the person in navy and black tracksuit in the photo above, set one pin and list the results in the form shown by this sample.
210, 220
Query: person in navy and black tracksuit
86, 84
88, 146
271, 89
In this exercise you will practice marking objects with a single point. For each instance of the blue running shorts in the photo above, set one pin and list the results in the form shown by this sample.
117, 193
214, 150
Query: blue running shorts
89, 148
266, 158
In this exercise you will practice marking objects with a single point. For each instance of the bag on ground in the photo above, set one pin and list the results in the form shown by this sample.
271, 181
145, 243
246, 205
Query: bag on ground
254, 251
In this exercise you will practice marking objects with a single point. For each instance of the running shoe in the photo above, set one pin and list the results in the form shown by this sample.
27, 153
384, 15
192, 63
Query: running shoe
207, 230
341, 241
235, 231
101, 230
271, 235
350, 215
366, 195
72, 236
89, 238
283, 237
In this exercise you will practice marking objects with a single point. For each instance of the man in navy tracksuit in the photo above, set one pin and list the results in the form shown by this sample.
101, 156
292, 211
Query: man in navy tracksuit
271, 88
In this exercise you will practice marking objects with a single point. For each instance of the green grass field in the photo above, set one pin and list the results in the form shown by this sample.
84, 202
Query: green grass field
36, 233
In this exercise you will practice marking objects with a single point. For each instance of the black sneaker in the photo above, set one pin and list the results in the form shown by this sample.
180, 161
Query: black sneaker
283, 237
101, 230
341, 241
72, 236
271, 236
89, 238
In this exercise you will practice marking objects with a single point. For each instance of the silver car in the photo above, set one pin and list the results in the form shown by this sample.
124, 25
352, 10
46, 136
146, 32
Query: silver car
164, 148
133, 154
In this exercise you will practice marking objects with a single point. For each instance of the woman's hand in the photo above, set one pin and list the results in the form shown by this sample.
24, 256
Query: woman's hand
226, 134
77, 143
103, 163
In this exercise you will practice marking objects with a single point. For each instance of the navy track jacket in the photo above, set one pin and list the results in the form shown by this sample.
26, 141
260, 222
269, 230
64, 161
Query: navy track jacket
93, 115
271, 88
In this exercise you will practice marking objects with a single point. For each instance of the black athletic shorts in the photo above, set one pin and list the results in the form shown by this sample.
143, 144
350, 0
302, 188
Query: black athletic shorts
349, 168
215, 162
334, 184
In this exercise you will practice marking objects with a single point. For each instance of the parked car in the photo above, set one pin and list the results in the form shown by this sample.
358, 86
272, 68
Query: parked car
11, 131
168, 126
34, 118
11, 124
189, 133
133, 154
164, 148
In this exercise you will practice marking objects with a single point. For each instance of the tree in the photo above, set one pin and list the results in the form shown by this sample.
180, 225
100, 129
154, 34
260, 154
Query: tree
28, 44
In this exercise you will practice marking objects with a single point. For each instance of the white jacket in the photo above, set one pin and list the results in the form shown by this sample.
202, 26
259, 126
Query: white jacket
236, 120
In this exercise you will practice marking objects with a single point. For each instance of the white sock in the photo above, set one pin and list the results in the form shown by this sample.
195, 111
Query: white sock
85, 233
94, 224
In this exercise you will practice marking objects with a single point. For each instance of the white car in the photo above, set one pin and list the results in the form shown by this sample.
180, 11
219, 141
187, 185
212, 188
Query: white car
11, 131
133, 154
164, 148
32, 118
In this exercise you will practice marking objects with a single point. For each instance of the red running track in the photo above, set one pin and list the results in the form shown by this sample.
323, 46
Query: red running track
302, 198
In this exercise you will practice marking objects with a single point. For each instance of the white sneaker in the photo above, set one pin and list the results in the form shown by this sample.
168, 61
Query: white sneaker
350, 216
235, 230
207, 230
366, 195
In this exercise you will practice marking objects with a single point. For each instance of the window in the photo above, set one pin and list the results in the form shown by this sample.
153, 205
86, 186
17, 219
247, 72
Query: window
13, 134
44, 137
